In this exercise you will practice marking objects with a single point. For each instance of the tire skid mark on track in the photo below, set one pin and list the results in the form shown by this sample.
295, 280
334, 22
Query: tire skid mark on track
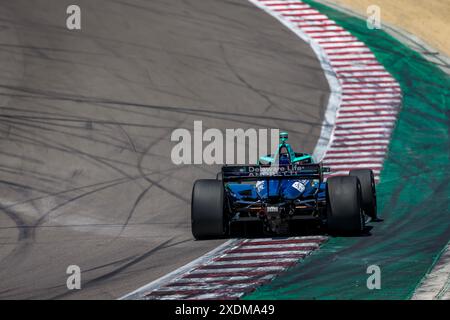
234, 270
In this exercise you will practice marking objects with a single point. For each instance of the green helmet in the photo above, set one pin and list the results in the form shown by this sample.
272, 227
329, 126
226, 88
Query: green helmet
283, 137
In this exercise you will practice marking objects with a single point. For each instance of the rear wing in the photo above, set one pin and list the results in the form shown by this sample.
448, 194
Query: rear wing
266, 172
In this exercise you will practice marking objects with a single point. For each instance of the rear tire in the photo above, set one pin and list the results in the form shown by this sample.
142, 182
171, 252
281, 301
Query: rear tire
344, 211
368, 191
207, 209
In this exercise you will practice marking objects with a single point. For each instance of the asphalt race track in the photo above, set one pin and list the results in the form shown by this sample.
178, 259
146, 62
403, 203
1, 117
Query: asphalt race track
85, 122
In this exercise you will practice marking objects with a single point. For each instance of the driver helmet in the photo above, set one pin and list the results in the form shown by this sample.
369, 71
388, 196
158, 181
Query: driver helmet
284, 156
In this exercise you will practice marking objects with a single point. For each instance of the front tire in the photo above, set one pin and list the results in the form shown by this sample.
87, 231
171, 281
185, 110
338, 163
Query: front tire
344, 211
207, 209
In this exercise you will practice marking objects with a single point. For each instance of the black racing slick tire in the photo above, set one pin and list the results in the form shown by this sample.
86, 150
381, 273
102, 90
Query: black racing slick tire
344, 211
207, 209
368, 191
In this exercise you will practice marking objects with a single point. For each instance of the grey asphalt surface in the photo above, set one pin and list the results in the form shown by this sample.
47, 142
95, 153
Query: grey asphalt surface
86, 116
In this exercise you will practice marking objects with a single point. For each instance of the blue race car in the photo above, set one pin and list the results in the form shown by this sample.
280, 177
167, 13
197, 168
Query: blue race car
282, 189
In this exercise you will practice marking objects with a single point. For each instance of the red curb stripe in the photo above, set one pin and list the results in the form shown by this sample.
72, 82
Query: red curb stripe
298, 248
299, 20
353, 59
346, 53
326, 29
344, 47
356, 133
350, 65
362, 83
350, 68
332, 164
262, 257
215, 298
248, 265
343, 120
372, 111
350, 139
364, 76
370, 108
346, 50
273, 242
393, 103
302, 14
354, 90
367, 82
340, 128
335, 32
218, 283
293, 9
363, 117
349, 152
369, 92
360, 145
201, 291
329, 36
374, 156
371, 96
359, 55
285, 4
232, 274
339, 41
311, 24
356, 69
360, 118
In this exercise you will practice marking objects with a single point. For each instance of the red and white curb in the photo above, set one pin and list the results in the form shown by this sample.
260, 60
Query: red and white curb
357, 128
361, 113
232, 270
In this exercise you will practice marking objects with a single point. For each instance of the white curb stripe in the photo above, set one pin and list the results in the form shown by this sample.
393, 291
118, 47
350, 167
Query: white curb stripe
273, 260
362, 131
215, 280
203, 287
352, 160
256, 254
323, 28
334, 45
236, 270
284, 246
